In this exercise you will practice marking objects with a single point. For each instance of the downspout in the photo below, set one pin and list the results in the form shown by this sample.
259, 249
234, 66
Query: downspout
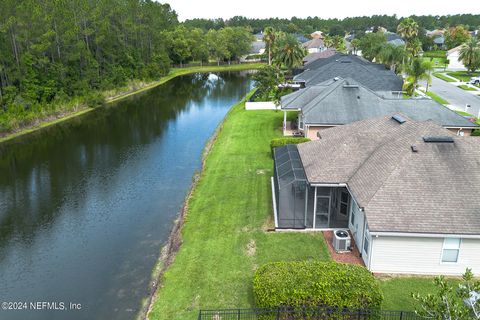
363, 231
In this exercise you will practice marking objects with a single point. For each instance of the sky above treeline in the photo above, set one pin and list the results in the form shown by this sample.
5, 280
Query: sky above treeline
189, 9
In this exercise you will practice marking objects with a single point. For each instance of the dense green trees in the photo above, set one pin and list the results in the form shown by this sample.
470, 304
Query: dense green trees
455, 36
57, 55
357, 24
372, 44
470, 54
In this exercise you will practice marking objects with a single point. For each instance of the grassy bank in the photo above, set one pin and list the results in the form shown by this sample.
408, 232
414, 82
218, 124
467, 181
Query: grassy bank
121, 93
467, 88
224, 236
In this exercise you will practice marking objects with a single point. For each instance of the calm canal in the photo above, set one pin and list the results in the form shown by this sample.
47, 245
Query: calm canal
86, 206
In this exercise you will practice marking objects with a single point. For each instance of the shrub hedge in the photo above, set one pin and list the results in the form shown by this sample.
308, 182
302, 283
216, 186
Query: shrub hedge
278, 142
435, 54
315, 283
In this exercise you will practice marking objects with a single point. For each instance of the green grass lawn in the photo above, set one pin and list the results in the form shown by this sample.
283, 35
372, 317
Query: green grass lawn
463, 75
437, 62
440, 75
467, 88
398, 291
224, 237
437, 98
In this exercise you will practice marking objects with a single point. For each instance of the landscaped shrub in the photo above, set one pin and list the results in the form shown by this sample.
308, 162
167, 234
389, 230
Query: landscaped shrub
435, 54
278, 142
314, 283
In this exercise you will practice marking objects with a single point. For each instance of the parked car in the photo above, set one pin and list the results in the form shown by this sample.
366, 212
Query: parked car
475, 80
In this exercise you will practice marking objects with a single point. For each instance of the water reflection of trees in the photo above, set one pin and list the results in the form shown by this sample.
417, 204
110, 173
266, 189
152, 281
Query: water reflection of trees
36, 171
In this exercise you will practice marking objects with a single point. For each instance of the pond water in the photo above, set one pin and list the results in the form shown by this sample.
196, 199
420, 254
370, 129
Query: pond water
86, 206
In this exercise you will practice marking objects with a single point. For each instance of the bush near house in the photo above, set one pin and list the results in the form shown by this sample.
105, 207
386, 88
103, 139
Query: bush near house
314, 283
278, 142
435, 54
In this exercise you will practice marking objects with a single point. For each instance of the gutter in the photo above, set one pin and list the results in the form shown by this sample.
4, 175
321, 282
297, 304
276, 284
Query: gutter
424, 235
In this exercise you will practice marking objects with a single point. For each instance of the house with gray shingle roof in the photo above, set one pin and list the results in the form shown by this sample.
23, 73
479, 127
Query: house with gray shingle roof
341, 101
406, 190
372, 75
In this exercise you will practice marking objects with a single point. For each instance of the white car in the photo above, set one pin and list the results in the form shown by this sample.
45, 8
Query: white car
475, 80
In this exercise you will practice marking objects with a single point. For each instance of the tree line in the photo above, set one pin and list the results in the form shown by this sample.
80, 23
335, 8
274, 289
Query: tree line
56, 55
338, 26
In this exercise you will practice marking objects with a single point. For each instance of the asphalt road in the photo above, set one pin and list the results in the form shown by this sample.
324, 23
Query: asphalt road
457, 97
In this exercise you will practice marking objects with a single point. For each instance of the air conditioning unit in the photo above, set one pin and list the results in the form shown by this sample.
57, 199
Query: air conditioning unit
341, 240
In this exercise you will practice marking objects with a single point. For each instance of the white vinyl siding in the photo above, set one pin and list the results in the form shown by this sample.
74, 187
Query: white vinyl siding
416, 255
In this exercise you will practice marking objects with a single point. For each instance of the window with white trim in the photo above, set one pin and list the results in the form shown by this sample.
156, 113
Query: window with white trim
451, 249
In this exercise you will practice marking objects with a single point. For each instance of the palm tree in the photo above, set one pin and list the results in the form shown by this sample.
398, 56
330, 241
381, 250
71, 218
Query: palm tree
417, 70
355, 43
393, 56
288, 52
408, 29
328, 41
269, 36
470, 54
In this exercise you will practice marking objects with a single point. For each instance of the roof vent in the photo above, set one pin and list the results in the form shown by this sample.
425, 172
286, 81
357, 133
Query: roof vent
335, 79
345, 61
438, 139
399, 118
350, 85
414, 148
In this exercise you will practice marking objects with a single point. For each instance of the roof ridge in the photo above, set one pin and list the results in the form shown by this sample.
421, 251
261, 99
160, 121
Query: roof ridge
337, 82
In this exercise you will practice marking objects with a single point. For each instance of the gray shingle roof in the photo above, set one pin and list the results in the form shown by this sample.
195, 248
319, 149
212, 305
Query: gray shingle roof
346, 100
311, 57
434, 190
372, 75
314, 44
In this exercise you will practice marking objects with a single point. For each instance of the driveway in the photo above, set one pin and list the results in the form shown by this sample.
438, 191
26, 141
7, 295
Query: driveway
457, 97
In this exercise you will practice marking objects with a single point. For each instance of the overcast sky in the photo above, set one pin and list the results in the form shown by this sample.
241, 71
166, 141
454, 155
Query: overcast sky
188, 9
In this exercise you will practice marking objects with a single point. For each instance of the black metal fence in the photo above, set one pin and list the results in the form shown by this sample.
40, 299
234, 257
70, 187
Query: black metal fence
317, 313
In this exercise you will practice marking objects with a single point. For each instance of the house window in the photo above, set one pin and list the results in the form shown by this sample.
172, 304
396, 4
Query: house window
451, 249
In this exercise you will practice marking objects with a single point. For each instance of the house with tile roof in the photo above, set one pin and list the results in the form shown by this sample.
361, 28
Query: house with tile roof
406, 190
340, 101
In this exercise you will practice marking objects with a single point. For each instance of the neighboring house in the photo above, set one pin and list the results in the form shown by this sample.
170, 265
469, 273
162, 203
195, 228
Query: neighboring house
435, 33
395, 39
258, 47
372, 75
314, 45
311, 57
439, 41
300, 37
258, 36
317, 35
341, 101
453, 56
406, 190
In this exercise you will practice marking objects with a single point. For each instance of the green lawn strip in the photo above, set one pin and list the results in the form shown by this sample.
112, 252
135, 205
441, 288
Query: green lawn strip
223, 237
398, 291
440, 75
463, 75
467, 88
437, 62
127, 91
437, 98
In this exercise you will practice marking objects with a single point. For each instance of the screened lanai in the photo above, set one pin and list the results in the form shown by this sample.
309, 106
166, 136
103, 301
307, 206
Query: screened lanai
291, 189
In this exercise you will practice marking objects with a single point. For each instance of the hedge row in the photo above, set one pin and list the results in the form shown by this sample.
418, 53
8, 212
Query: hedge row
435, 54
314, 283
278, 142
